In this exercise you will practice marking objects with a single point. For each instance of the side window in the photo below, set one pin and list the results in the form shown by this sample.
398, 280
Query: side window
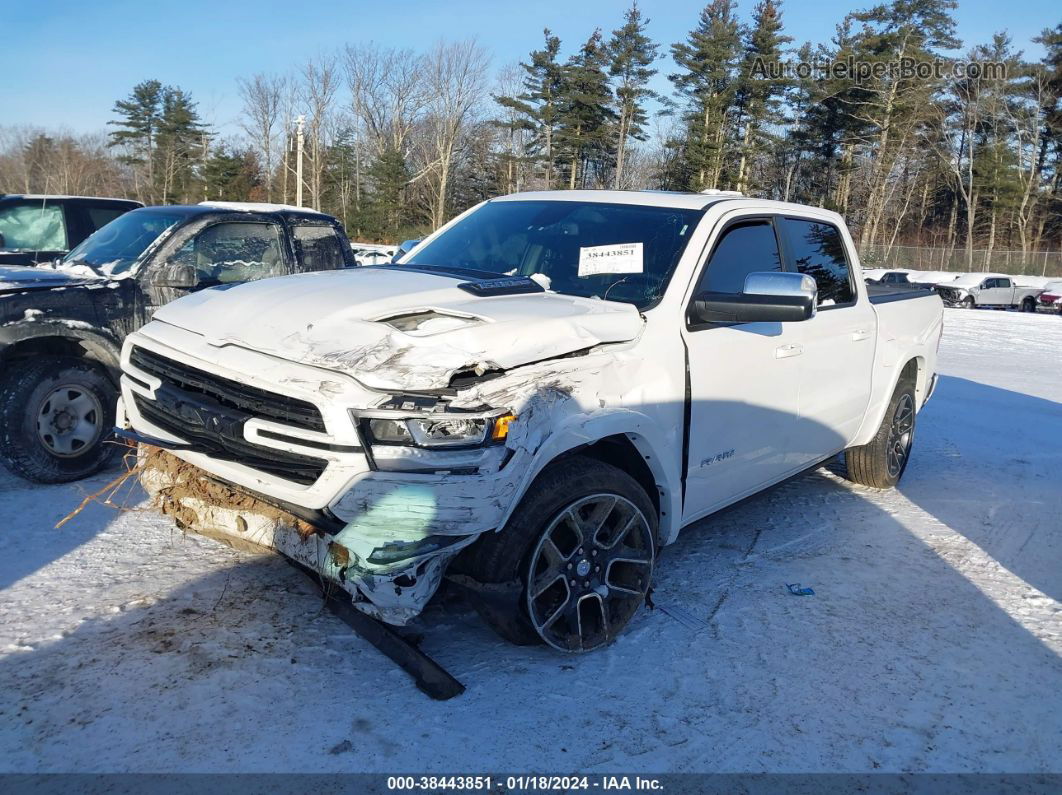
318, 248
33, 227
234, 252
101, 215
746, 248
1003, 283
817, 249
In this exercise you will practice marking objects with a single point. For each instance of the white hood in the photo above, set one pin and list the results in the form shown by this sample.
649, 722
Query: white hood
334, 319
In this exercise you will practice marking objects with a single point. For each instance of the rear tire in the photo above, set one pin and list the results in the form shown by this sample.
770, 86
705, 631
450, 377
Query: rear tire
881, 462
56, 418
584, 534
1028, 305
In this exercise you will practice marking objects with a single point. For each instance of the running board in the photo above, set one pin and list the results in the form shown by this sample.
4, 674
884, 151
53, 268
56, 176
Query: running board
430, 677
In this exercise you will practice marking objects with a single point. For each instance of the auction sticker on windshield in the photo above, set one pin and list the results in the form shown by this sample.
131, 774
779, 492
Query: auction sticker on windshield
615, 258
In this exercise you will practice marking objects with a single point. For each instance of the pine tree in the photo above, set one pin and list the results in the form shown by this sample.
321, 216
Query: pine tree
584, 124
758, 97
537, 108
710, 59
138, 127
181, 143
632, 53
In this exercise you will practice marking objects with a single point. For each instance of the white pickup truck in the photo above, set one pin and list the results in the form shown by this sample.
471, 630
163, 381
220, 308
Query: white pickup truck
972, 290
535, 400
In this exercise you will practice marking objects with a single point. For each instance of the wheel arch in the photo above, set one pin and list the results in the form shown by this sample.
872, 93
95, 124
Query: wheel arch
50, 339
632, 451
915, 369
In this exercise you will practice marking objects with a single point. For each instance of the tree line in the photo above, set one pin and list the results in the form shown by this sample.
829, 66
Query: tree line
398, 141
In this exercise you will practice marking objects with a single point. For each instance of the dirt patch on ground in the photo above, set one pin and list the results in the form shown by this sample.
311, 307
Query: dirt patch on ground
173, 482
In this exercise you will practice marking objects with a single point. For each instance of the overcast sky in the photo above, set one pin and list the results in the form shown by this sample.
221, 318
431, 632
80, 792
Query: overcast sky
64, 63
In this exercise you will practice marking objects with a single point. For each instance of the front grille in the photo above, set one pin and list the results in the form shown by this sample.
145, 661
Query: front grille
301, 469
948, 294
209, 413
257, 402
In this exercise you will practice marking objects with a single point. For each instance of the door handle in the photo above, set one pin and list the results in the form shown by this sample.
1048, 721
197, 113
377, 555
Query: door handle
861, 334
785, 351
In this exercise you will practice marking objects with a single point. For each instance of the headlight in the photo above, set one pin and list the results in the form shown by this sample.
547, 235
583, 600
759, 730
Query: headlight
437, 430
450, 432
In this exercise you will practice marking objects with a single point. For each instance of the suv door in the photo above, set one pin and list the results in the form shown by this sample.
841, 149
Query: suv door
743, 380
838, 343
318, 247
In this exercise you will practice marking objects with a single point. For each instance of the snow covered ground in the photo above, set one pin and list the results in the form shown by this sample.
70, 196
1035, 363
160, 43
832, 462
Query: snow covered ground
932, 642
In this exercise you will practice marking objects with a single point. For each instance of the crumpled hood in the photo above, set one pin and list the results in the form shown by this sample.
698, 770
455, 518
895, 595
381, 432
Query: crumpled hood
15, 278
335, 320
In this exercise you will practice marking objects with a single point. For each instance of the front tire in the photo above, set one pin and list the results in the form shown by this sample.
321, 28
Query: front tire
882, 461
581, 545
968, 302
56, 416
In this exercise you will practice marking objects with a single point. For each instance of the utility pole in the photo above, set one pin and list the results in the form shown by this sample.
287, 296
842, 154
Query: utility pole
299, 122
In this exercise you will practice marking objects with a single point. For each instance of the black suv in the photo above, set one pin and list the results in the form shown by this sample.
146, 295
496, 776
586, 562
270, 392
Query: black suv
37, 229
61, 328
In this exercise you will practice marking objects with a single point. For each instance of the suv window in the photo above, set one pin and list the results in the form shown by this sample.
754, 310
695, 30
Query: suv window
817, 249
234, 252
101, 215
1002, 282
748, 247
318, 248
33, 227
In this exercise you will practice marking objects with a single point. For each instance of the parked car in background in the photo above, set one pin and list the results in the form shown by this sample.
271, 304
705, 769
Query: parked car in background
995, 291
61, 328
900, 280
1050, 300
536, 398
372, 253
35, 229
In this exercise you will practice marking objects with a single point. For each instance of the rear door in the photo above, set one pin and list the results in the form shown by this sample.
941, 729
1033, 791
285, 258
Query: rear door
318, 247
838, 343
743, 380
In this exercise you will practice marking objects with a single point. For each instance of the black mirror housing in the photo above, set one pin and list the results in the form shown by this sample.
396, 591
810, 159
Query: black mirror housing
180, 275
745, 308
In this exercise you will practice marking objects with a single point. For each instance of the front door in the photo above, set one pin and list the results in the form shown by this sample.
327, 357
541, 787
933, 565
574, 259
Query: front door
743, 381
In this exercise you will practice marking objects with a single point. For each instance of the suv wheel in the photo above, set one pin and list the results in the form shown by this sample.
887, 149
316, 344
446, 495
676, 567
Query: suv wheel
56, 415
968, 302
881, 462
581, 545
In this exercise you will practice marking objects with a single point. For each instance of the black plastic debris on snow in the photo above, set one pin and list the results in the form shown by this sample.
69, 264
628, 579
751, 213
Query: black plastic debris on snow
430, 677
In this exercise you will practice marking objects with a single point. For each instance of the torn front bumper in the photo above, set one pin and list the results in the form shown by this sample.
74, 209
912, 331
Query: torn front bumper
392, 581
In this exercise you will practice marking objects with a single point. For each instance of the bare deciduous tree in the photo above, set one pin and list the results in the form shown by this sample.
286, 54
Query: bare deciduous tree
263, 118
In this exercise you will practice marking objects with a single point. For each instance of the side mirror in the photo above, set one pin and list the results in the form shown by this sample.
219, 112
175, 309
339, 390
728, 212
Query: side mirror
772, 297
405, 247
181, 275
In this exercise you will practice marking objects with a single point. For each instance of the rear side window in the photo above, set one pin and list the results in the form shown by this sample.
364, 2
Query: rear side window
33, 227
101, 216
817, 249
746, 248
318, 248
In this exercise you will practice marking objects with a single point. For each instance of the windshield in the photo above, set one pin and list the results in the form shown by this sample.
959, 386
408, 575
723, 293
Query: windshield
619, 252
114, 249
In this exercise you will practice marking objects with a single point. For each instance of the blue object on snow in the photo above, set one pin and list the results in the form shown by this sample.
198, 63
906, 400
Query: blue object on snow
796, 590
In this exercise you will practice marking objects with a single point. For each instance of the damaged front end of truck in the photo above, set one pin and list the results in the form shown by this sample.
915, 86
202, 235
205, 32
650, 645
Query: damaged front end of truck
374, 465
